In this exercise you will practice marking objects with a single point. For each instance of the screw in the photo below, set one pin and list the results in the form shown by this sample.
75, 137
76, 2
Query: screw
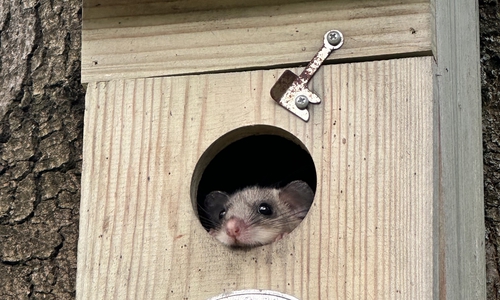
333, 37
301, 101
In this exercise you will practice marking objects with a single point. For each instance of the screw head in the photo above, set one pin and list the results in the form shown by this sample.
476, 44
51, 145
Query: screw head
333, 37
301, 101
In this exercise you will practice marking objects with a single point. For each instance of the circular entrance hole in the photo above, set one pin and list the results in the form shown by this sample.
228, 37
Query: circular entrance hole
263, 156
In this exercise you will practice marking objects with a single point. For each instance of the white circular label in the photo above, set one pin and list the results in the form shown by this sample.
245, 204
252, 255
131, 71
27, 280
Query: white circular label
253, 295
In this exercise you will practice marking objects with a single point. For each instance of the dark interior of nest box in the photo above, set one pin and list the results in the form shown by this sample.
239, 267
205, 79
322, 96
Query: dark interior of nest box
263, 159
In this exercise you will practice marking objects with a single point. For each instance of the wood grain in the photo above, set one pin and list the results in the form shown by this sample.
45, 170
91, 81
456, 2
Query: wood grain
369, 232
460, 262
125, 39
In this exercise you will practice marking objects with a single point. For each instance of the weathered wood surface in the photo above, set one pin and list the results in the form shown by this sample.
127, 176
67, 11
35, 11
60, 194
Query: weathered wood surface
459, 225
132, 39
368, 234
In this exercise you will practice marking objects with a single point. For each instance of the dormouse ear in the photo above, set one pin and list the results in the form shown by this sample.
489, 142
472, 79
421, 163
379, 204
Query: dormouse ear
299, 196
214, 204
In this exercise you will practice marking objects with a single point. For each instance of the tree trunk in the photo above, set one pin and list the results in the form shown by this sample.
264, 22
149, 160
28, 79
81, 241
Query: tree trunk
490, 63
41, 128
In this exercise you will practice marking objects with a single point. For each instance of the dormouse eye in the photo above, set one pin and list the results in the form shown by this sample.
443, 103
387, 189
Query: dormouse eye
222, 214
265, 209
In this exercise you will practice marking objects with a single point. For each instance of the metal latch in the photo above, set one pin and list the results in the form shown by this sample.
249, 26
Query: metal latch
291, 91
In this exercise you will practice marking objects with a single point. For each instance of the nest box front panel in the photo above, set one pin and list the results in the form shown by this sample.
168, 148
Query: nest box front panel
368, 233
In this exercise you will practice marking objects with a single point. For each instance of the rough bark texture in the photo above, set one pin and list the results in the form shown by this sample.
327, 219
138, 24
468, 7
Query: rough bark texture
490, 75
41, 116
41, 131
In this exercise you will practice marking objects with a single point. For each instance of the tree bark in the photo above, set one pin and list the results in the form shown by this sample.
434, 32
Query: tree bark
41, 131
490, 82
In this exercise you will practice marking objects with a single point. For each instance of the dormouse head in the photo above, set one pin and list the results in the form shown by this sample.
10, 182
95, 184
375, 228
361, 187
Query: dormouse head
257, 216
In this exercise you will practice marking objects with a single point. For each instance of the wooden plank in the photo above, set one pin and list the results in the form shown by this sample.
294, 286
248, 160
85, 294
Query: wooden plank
459, 224
127, 8
369, 231
130, 40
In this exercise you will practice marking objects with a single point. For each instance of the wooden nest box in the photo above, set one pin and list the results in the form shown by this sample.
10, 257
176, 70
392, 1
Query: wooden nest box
393, 151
